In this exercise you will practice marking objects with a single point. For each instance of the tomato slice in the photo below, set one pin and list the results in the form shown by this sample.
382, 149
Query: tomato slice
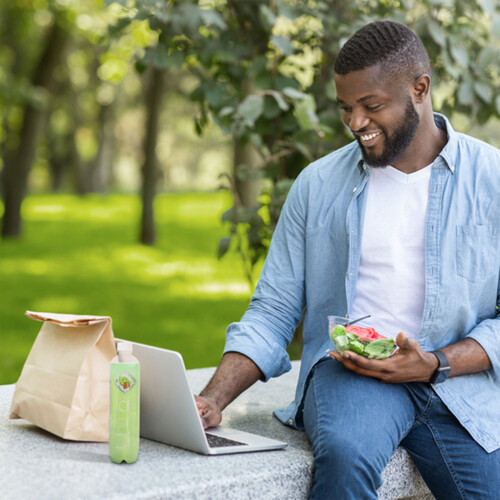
364, 333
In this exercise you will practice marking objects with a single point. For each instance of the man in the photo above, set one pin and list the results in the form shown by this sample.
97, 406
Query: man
402, 224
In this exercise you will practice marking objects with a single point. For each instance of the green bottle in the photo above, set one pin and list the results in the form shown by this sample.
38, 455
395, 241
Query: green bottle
124, 408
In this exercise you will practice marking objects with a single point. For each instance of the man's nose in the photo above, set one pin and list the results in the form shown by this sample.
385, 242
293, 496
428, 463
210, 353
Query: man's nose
358, 120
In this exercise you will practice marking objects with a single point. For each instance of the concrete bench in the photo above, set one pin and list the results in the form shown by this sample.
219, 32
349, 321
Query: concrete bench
37, 465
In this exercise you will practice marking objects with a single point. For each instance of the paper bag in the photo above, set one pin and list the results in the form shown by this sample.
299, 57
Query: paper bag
64, 384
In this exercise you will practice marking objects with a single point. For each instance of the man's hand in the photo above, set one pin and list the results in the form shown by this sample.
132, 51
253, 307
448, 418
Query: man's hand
408, 364
235, 373
210, 413
412, 364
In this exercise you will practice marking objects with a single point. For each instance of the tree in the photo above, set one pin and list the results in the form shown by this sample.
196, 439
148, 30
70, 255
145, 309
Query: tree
292, 119
176, 25
265, 71
149, 175
38, 88
17, 163
266, 77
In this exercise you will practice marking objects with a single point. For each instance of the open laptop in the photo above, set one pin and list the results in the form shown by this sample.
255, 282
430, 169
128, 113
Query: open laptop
169, 413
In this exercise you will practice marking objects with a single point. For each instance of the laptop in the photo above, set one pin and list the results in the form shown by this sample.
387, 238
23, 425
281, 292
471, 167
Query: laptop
169, 413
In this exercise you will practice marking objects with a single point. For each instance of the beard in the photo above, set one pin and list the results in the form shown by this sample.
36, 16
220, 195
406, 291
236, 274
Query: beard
396, 144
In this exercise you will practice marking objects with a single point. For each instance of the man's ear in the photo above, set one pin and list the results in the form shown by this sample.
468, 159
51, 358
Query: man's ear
421, 88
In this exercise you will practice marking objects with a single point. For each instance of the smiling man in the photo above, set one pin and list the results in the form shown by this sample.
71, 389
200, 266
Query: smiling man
402, 224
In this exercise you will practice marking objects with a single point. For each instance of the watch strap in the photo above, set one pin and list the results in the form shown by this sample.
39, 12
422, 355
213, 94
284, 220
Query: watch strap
443, 369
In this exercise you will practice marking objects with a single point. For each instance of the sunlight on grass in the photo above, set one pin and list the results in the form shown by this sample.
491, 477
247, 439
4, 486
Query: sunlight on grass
93, 207
47, 209
80, 255
37, 267
234, 288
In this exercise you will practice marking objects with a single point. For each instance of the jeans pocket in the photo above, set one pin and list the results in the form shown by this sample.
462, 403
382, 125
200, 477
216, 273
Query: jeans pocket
476, 252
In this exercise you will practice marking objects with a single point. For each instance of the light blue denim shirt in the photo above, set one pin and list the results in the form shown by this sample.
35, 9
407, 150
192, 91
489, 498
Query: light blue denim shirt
313, 262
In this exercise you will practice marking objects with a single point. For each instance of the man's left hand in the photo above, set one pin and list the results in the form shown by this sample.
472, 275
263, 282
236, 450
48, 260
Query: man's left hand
408, 364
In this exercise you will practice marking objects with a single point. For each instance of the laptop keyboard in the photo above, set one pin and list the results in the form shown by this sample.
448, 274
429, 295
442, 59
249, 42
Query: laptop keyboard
219, 442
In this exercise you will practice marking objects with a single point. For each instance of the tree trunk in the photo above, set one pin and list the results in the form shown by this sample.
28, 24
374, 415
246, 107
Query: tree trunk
149, 168
17, 164
245, 161
101, 167
247, 186
58, 159
81, 176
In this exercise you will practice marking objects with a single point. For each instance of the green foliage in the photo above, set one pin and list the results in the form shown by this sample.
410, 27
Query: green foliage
78, 88
265, 72
464, 46
79, 255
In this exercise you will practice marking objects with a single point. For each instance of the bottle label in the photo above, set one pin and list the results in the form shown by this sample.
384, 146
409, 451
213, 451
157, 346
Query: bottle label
124, 411
125, 382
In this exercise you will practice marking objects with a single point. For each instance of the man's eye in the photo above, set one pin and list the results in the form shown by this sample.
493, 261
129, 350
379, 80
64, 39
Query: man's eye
373, 108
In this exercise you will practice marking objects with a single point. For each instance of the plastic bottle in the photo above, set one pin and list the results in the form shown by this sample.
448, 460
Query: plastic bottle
124, 408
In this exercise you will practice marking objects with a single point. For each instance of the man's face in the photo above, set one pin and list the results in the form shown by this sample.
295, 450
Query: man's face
380, 114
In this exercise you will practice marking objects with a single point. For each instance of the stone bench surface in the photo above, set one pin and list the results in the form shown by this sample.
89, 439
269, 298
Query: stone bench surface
35, 464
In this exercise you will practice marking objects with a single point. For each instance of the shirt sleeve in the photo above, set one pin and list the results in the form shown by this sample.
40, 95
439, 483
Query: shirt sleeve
277, 305
487, 334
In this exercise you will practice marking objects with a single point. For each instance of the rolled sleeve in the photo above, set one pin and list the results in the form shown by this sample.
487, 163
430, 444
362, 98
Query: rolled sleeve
487, 334
271, 358
278, 302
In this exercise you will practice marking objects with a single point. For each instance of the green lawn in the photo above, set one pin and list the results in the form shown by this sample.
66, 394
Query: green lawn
80, 255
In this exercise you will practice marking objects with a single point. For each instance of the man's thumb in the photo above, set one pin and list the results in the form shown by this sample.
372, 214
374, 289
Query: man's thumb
402, 340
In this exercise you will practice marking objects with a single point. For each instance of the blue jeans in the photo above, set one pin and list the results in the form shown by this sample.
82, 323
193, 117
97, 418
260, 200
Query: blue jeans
355, 423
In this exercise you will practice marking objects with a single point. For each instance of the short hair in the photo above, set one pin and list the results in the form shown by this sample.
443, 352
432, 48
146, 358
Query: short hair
393, 45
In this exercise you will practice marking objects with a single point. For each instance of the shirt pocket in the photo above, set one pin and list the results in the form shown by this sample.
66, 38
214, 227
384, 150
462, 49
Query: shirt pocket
476, 252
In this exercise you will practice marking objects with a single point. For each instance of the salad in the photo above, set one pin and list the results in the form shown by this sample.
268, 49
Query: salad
364, 341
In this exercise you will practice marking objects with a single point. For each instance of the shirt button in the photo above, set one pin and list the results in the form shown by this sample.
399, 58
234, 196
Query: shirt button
354, 190
290, 422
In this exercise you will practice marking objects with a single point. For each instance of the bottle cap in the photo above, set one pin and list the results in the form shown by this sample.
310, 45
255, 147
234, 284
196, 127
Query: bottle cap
124, 347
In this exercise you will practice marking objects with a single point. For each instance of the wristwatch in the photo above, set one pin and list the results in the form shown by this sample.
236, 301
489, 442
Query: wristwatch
443, 369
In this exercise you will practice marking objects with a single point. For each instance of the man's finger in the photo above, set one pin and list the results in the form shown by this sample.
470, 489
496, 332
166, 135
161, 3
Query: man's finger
402, 340
352, 360
205, 422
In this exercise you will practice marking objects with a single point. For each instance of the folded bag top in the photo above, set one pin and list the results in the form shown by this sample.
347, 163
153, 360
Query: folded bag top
64, 385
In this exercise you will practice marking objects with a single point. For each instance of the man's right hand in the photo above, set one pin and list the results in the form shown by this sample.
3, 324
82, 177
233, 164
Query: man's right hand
235, 373
210, 413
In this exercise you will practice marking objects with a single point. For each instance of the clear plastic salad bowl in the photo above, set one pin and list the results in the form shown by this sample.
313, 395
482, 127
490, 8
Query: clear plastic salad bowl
362, 340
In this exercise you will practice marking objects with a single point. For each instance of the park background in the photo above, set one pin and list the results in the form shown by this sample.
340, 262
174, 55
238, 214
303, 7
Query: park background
147, 147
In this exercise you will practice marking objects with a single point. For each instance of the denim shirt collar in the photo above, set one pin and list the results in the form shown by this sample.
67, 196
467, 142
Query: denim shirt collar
448, 153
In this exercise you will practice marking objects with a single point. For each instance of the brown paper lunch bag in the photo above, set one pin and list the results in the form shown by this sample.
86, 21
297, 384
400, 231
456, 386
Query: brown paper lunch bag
64, 385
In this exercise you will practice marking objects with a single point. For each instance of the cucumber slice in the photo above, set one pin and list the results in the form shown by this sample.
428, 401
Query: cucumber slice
356, 347
342, 341
337, 331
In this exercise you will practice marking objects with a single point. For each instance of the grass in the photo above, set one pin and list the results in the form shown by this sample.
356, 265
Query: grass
80, 255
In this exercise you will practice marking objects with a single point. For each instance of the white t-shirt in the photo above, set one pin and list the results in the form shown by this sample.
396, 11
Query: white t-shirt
391, 276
